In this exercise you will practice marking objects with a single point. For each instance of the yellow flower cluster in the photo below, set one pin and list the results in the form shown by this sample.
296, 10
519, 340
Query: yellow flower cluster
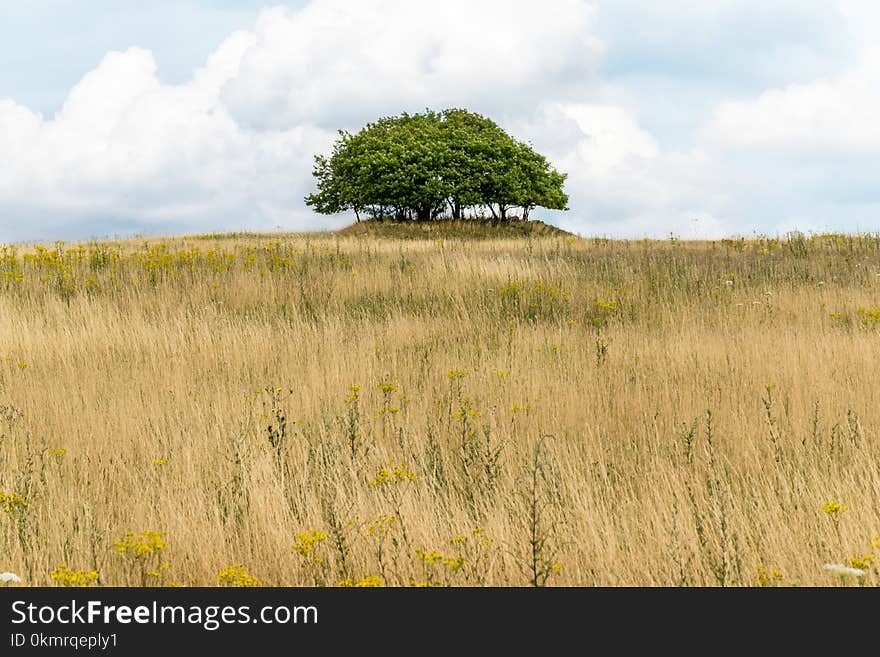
467, 410
870, 316
434, 557
75, 578
429, 558
767, 577
159, 572
307, 542
382, 526
387, 388
237, 576
454, 563
354, 393
834, 510
863, 563
370, 581
456, 374
602, 311
392, 475
76, 268
521, 408
140, 546
513, 289
540, 299
552, 291
12, 502
478, 538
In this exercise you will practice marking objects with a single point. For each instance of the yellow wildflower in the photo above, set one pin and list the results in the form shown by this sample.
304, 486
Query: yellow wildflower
12, 502
74, 578
307, 542
834, 510
370, 581
387, 388
391, 475
140, 546
382, 526
767, 577
863, 563
237, 576
454, 563
431, 557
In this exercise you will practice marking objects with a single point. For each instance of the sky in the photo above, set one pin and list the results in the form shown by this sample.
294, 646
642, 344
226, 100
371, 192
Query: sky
693, 118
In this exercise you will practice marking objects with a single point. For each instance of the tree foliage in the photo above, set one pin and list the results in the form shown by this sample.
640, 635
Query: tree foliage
422, 166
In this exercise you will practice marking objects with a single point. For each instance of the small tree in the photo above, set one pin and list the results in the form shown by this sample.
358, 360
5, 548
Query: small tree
468, 156
418, 166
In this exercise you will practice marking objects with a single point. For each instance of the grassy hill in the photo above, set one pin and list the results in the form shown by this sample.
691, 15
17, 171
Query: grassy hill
474, 229
327, 408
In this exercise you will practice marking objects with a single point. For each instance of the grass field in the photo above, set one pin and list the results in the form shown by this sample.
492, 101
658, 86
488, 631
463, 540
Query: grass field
439, 409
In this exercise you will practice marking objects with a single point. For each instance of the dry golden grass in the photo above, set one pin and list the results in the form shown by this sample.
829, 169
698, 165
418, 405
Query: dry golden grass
576, 412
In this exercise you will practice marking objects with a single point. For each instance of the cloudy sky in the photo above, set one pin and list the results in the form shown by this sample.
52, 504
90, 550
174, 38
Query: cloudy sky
700, 118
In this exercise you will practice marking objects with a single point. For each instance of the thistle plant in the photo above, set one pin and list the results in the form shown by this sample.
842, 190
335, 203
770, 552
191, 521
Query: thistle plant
542, 501
352, 420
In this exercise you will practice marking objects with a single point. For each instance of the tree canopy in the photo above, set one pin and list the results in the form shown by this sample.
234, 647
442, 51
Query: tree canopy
423, 166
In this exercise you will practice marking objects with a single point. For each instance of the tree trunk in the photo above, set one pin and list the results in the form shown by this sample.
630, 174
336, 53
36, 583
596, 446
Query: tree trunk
526, 210
357, 215
503, 210
492, 209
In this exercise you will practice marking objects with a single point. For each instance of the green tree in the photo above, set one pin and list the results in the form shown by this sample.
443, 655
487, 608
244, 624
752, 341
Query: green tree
417, 166
467, 140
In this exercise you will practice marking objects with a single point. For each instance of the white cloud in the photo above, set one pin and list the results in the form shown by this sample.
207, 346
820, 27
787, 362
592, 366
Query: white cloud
621, 181
232, 147
125, 145
825, 117
338, 61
